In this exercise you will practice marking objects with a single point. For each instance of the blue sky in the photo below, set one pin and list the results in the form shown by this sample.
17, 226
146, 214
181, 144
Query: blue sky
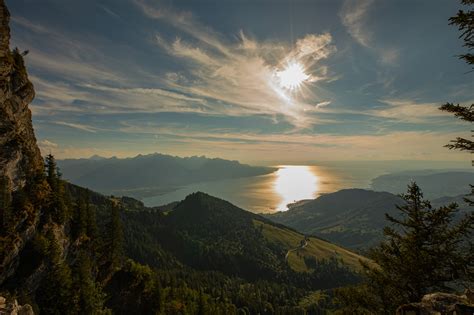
123, 77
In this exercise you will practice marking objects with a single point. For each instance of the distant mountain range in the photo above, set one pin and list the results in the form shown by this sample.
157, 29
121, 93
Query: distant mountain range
435, 184
148, 175
353, 218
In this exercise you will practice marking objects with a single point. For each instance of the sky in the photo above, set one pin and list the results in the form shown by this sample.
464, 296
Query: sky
127, 77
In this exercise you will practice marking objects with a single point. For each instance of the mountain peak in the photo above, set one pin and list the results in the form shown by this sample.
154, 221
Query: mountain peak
97, 157
202, 200
201, 207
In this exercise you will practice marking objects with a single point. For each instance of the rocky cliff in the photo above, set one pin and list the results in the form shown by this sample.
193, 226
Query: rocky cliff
11, 307
441, 304
20, 156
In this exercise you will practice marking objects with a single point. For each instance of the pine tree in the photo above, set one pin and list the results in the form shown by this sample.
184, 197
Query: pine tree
464, 20
91, 223
51, 171
79, 219
54, 294
114, 237
6, 210
57, 202
465, 23
202, 307
89, 296
424, 251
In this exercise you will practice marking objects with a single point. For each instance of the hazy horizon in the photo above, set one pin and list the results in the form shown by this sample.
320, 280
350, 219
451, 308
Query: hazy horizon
402, 164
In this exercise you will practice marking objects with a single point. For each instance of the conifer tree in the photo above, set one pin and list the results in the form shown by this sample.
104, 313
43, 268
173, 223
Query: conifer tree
114, 237
57, 202
91, 223
6, 210
202, 309
51, 171
54, 294
464, 20
424, 251
89, 296
79, 219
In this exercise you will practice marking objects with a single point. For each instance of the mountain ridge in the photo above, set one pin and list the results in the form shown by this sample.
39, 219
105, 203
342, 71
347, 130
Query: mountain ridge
353, 218
435, 184
152, 174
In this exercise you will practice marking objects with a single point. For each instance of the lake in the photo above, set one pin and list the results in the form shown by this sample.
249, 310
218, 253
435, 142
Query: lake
272, 192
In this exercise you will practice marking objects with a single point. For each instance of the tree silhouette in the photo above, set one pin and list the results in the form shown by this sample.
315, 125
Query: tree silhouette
465, 22
424, 251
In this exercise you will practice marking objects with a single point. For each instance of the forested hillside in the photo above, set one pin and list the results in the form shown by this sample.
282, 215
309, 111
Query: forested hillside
352, 217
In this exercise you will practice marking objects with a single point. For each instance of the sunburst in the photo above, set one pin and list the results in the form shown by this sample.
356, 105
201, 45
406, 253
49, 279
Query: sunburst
292, 76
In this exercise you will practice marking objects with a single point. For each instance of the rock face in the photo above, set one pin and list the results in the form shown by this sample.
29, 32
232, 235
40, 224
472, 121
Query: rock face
440, 304
20, 157
11, 307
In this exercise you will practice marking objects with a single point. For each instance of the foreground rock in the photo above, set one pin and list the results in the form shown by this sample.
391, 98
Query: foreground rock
440, 304
11, 307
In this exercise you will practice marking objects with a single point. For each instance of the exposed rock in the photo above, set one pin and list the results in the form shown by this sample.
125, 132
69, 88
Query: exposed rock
439, 304
11, 307
20, 157
9, 259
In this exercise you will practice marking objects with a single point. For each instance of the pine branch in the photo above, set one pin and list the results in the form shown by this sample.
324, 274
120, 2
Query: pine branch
462, 112
461, 144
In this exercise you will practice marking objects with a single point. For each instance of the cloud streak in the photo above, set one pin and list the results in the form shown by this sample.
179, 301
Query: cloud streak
289, 147
82, 127
354, 15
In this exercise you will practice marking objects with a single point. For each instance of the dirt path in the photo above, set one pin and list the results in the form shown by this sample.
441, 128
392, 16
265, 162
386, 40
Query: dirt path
295, 249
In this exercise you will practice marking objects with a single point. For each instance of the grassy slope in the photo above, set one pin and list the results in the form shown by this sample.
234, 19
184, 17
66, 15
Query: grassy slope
317, 248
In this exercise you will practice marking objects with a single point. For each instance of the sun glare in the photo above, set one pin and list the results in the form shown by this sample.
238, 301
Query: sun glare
293, 183
292, 76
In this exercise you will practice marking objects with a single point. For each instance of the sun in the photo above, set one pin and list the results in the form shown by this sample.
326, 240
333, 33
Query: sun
292, 76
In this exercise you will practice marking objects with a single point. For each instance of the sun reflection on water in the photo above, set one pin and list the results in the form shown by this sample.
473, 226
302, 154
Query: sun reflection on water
295, 182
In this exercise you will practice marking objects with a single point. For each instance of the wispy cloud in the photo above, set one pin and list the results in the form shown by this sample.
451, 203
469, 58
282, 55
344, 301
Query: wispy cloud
108, 11
354, 15
82, 127
185, 22
242, 78
407, 111
297, 147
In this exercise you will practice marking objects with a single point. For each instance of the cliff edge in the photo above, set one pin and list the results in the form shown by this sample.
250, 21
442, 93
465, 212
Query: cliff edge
20, 157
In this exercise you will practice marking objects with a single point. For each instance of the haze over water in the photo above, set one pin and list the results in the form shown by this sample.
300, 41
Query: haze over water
291, 183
